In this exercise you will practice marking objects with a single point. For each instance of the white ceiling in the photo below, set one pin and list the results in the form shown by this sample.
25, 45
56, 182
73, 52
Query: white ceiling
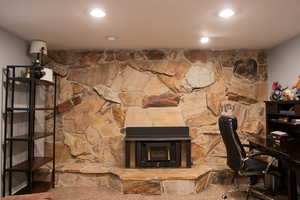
66, 24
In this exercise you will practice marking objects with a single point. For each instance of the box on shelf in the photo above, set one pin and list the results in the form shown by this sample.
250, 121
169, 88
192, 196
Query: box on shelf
280, 137
295, 121
48, 75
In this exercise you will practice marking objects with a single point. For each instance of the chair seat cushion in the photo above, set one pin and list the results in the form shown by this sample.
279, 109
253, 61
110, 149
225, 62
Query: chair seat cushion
255, 165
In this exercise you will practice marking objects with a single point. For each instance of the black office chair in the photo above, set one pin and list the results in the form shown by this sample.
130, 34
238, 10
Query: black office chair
241, 163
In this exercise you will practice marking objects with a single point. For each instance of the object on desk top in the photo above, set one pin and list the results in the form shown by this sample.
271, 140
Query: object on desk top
281, 133
283, 119
295, 121
277, 91
287, 112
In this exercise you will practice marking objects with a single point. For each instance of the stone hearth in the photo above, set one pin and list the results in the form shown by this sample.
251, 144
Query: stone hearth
142, 181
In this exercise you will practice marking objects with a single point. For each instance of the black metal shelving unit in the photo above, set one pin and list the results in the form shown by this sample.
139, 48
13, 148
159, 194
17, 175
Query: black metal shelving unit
30, 136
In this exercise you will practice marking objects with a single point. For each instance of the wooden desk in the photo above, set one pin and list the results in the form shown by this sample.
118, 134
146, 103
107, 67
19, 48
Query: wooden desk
290, 154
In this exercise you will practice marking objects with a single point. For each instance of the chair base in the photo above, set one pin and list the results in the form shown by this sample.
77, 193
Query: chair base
251, 189
257, 192
261, 193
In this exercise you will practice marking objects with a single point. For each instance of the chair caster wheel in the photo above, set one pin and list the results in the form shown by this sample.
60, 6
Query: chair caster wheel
224, 196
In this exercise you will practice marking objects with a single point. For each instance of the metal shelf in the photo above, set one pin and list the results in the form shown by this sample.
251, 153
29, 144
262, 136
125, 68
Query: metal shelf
19, 66
12, 110
28, 109
285, 123
37, 162
37, 187
37, 135
283, 115
27, 80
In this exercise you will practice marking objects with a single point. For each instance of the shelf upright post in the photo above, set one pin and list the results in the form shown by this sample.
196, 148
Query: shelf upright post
11, 129
7, 71
33, 116
31, 138
30, 132
29, 172
54, 129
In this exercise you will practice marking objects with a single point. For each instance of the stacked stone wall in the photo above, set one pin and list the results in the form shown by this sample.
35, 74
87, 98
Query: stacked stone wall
103, 91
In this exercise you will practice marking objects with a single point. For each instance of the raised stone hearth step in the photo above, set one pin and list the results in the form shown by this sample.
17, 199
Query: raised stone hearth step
143, 181
137, 174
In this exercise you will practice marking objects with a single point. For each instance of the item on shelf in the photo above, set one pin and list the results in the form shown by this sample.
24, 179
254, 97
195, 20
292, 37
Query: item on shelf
283, 119
274, 120
297, 88
280, 137
34, 72
25, 73
287, 112
288, 95
277, 91
279, 133
295, 121
38, 49
48, 75
37, 72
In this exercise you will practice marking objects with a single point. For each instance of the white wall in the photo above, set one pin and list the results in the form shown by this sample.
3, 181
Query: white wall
13, 51
284, 63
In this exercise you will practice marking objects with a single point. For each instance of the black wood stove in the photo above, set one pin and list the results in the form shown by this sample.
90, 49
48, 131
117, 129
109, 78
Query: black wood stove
158, 147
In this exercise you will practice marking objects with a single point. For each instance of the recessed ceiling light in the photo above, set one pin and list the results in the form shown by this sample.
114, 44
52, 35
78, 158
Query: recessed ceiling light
98, 13
111, 37
226, 13
204, 40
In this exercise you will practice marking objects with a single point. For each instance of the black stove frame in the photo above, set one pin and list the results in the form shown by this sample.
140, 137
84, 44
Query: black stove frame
157, 147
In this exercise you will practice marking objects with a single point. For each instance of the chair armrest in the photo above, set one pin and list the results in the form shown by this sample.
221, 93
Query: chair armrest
267, 170
252, 155
247, 145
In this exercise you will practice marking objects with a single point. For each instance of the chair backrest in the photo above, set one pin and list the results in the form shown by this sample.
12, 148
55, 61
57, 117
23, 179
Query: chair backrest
234, 148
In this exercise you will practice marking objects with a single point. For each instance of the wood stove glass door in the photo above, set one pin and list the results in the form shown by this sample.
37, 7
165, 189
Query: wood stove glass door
158, 154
